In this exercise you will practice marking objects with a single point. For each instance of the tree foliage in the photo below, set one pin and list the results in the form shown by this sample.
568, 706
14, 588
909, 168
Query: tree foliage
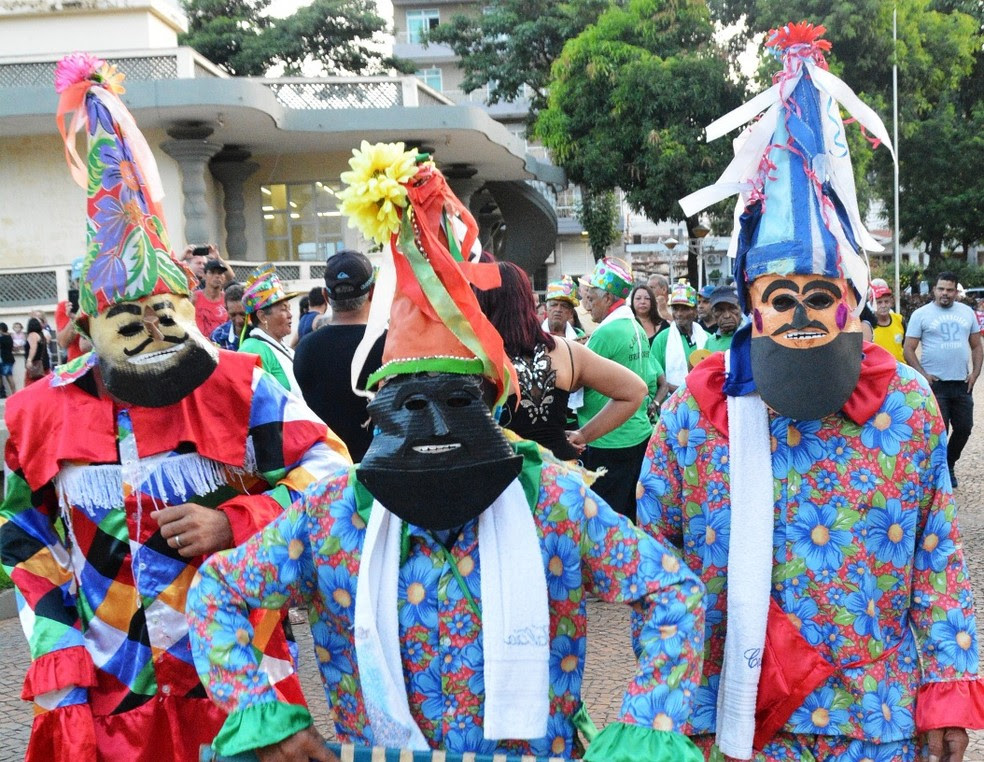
334, 36
598, 215
629, 100
513, 44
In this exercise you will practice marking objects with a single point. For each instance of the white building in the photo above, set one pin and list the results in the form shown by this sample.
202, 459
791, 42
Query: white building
251, 164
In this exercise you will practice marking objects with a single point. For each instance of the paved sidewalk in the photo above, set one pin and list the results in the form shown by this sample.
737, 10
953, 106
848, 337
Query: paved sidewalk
609, 662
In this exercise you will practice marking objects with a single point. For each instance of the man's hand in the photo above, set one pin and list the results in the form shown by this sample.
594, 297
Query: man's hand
947, 744
971, 380
577, 440
194, 529
302, 746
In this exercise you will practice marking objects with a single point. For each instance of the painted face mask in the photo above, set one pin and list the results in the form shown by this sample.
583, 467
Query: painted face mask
438, 459
150, 350
806, 343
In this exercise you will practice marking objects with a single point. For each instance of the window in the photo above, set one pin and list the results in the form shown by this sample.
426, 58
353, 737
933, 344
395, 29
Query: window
421, 21
431, 77
301, 221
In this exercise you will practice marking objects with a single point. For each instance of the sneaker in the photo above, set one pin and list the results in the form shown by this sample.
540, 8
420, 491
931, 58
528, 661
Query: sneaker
953, 479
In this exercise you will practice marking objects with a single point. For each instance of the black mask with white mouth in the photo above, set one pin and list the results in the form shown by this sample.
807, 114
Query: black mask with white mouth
438, 459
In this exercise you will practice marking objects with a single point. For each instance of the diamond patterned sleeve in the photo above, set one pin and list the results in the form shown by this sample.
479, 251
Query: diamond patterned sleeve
272, 569
292, 448
38, 562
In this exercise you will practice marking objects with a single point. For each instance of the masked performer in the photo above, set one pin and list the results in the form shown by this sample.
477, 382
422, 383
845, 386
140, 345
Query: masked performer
136, 460
840, 615
446, 575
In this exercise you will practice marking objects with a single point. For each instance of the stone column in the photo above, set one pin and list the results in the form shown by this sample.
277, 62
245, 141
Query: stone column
231, 168
192, 151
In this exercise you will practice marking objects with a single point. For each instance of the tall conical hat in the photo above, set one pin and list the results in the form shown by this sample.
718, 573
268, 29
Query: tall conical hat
798, 210
401, 200
128, 255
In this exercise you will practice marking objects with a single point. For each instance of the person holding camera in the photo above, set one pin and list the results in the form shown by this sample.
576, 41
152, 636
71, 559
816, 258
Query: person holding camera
70, 341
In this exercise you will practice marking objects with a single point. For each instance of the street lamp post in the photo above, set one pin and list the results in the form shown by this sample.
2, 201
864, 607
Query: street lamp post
700, 232
670, 243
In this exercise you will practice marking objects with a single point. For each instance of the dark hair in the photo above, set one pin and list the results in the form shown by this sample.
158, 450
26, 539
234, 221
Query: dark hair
234, 292
34, 326
316, 296
304, 305
511, 311
3, 327
947, 275
653, 314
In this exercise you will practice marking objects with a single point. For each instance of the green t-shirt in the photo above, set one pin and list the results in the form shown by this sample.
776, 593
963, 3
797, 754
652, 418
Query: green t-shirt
622, 341
659, 347
268, 359
716, 343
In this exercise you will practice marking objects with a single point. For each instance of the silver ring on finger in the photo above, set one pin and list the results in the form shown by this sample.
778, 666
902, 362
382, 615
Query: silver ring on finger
177, 541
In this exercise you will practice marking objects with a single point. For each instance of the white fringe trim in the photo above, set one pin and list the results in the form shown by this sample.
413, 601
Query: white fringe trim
95, 488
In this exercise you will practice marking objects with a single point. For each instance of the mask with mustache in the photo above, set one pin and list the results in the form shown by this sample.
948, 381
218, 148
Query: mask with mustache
806, 343
150, 350
437, 459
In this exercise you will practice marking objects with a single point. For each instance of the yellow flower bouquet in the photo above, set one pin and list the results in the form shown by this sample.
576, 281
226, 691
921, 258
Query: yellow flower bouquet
375, 196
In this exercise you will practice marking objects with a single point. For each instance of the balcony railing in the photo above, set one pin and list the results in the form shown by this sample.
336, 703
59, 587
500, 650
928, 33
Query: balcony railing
144, 66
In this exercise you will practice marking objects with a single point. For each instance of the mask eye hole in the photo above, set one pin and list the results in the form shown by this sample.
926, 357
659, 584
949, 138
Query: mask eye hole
130, 329
167, 320
458, 400
415, 403
784, 303
819, 300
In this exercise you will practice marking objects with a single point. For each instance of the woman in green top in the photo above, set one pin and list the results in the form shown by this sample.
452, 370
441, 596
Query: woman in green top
268, 310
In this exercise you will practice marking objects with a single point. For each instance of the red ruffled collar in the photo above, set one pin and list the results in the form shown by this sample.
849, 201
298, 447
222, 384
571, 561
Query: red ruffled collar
878, 368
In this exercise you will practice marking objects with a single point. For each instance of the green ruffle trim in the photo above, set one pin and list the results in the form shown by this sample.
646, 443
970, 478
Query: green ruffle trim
621, 742
468, 367
260, 725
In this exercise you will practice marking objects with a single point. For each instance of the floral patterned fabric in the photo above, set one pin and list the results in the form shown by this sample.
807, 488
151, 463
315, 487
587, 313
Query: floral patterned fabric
867, 556
311, 557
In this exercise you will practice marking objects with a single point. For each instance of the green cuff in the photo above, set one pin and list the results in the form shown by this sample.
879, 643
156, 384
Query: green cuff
621, 742
260, 725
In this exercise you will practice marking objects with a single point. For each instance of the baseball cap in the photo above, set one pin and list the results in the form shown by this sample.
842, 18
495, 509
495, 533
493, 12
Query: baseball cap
214, 264
722, 294
879, 291
706, 291
348, 274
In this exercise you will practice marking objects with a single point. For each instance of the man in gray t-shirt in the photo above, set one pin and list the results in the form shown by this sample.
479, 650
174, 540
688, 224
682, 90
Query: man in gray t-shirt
950, 338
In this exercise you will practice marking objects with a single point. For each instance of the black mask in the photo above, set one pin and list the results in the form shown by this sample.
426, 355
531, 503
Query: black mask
438, 459
807, 384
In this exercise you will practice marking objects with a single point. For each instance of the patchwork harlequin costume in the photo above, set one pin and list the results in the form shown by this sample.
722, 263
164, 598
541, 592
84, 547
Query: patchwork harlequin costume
154, 417
446, 575
842, 575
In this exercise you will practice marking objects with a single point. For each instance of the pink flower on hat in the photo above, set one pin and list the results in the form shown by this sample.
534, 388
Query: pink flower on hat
74, 68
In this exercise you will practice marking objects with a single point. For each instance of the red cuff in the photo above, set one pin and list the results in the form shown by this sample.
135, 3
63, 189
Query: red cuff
64, 733
958, 704
248, 514
57, 670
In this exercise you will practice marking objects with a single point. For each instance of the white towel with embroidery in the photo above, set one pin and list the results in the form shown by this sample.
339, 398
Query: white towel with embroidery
677, 366
749, 572
515, 623
515, 619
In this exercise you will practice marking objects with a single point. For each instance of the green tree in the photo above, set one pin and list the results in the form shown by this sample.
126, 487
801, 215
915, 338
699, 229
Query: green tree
629, 100
336, 36
598, 215
513, 43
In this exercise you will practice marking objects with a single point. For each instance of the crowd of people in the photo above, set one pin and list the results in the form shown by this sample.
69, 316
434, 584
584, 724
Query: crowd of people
441, 475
